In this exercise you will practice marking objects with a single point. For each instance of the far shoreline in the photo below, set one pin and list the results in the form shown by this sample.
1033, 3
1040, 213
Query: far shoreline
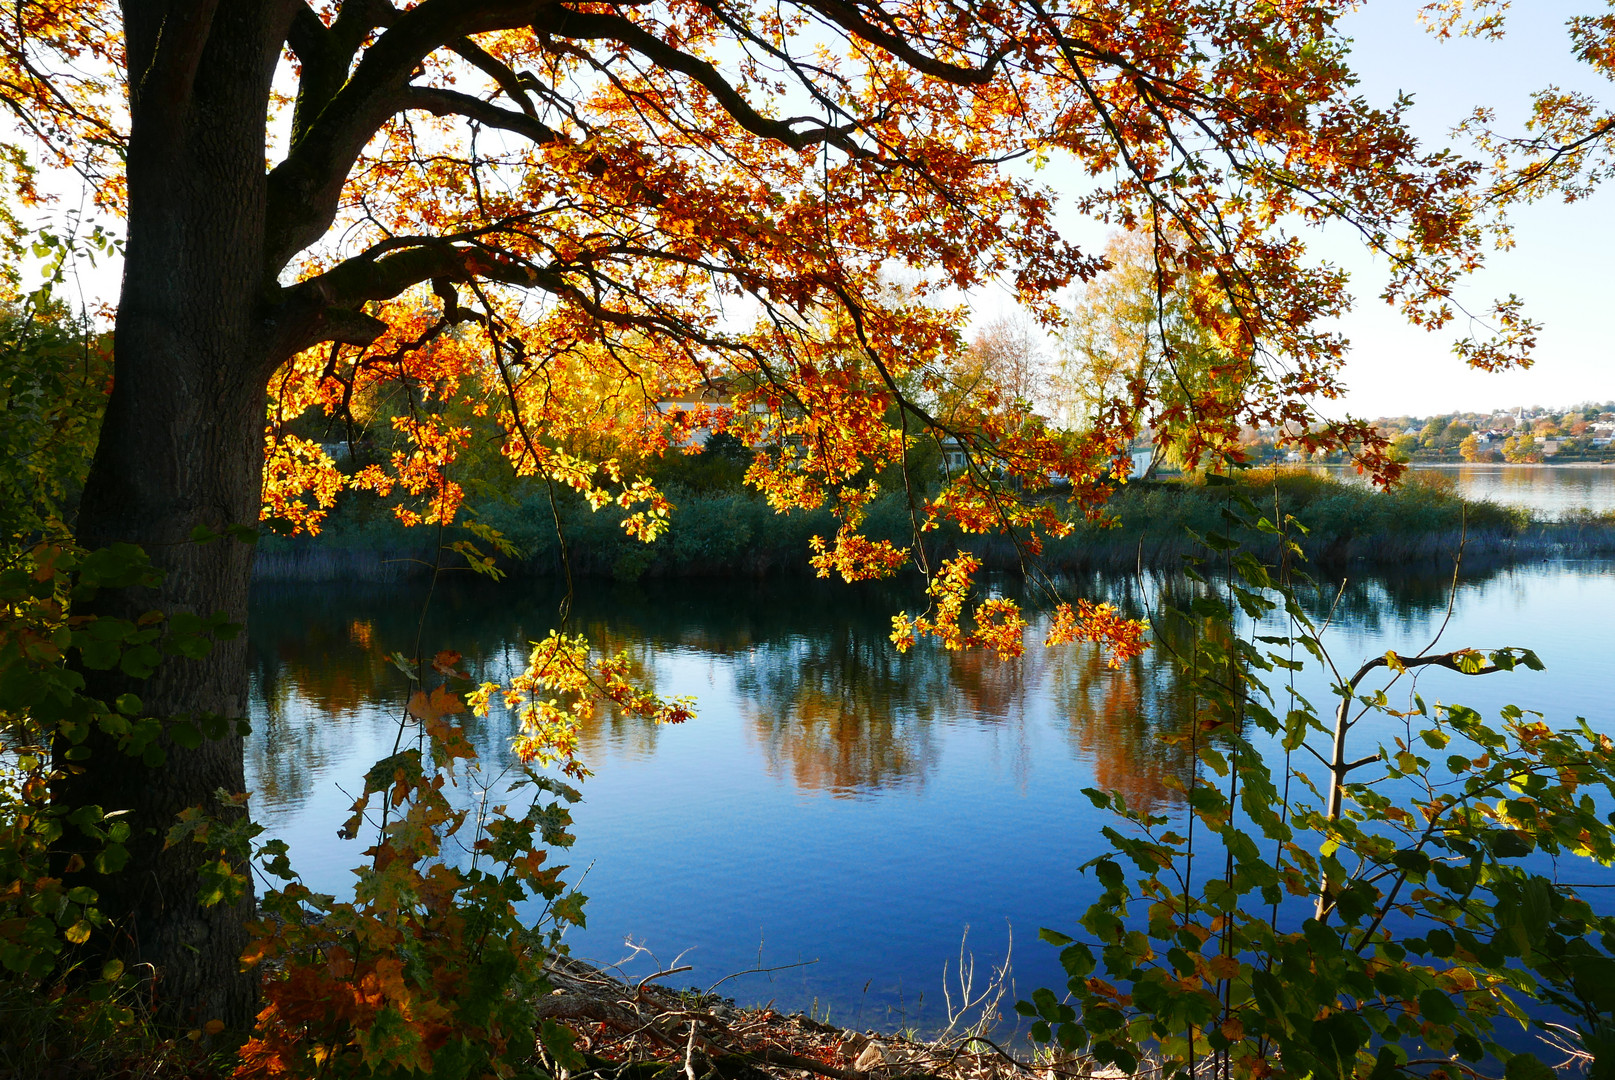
1147, 523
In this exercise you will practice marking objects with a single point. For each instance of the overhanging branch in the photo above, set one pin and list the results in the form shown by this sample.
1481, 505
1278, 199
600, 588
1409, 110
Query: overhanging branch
454, 103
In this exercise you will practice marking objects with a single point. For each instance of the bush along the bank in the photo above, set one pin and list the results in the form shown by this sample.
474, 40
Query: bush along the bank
721, 527
1420, 519
68, 996
431, 968
1327, 906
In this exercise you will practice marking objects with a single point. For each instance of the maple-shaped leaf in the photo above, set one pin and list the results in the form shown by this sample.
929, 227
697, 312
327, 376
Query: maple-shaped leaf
439, 703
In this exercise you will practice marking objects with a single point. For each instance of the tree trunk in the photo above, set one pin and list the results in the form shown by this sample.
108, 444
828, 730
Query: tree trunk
182, 447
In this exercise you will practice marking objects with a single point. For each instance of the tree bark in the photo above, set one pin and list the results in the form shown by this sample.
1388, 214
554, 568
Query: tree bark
181, 447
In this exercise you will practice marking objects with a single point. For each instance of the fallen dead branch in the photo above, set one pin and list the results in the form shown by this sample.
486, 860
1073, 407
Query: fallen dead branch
641, 1030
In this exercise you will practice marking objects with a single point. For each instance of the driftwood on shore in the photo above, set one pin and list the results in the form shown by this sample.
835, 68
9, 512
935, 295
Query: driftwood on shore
645, 1031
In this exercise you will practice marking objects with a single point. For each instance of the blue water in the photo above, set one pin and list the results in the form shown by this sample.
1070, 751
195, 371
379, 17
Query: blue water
837, 806
1549, 492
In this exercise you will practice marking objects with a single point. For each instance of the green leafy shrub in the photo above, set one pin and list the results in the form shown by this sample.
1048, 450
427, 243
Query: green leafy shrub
1384, 915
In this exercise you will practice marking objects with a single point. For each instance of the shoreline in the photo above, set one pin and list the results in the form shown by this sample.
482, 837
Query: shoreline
646, 1031
316, 562
1146, 523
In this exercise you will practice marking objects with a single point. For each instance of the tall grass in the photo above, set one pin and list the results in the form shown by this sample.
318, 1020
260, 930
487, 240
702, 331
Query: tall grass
1423, 519
733, 533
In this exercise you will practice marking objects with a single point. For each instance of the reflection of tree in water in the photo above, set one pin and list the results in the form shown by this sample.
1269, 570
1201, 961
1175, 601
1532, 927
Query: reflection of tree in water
1127, 722
831, 703
1408, 598
319, 659
319, 653
989, 688
841, 711
314, 665
1131, 723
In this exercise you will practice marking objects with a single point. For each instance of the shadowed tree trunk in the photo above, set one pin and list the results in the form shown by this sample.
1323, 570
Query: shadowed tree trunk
182, 447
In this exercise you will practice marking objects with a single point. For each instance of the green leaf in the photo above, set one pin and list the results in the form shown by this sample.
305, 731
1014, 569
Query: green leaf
246, 534
1437, 1007
140, 661
1510, 843
1078, 961
1413, 862
561, 1043
1110, 874
190, 646
569, 909
1439, 943
1102, 1018
1054, 937
98, 655
111, 859
1527, 1067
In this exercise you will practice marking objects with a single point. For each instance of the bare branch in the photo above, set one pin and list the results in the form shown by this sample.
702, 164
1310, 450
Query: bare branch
564, 22
454, 103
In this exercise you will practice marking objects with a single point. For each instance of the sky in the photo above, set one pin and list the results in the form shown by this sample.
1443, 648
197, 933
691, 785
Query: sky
1563, 264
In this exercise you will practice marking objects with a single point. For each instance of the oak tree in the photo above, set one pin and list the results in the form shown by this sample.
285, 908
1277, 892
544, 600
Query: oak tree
546, 216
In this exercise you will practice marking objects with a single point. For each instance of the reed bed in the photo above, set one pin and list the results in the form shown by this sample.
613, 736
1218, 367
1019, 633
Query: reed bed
726, 533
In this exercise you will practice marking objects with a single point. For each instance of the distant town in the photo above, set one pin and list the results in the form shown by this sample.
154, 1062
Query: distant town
1583, 433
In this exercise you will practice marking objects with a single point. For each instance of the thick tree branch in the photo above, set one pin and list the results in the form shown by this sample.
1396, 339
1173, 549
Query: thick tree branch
453, 103
336, 119
513, 85
326, 53
326, 307
305, 188
165, 41
564, 22
850, 20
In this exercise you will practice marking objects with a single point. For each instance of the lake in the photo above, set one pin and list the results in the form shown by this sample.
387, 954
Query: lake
1548, 491
835, 805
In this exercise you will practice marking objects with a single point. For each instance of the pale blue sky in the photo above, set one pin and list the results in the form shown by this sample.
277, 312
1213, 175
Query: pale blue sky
1564, 261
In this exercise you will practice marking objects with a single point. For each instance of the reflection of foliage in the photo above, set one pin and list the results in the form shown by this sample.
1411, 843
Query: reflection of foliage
832, 705
1119, 718
841, 711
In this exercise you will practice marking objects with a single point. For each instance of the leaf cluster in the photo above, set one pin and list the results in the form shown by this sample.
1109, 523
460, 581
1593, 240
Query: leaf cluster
433, 965
1365, 916
53, 853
